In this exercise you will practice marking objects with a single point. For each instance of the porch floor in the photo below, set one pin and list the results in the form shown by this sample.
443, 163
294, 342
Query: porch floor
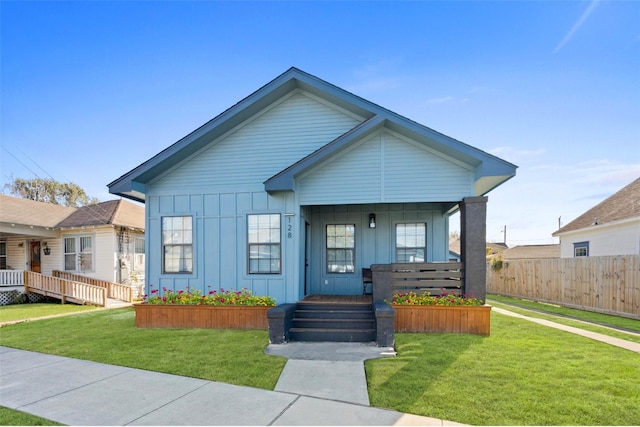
338, 299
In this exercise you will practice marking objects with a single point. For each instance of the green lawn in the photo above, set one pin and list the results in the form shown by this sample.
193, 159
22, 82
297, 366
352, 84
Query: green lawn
522, 374
15, 312
11, 417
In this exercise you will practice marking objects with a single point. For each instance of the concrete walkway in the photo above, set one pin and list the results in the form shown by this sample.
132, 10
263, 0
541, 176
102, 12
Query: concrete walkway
628, 345
78, 392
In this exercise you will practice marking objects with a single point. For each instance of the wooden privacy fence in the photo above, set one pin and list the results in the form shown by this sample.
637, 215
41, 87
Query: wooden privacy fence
609, 284
434, 277
65, 290
114, 290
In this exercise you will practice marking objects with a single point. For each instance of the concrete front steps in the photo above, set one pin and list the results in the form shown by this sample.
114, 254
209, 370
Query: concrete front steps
333, 322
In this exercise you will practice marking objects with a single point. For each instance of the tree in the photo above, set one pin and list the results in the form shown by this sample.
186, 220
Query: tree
50, 191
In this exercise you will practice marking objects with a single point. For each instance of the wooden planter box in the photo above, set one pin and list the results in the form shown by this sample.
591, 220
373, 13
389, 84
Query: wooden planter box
201, 316
436, 318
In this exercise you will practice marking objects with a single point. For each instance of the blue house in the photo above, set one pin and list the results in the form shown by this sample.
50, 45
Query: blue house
298, 187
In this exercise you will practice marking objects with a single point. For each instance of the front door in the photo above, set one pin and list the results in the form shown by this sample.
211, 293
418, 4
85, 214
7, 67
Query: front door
34, 256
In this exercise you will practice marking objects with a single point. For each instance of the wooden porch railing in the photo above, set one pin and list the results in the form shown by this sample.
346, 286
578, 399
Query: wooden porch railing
114, 290
435, 277
65, 290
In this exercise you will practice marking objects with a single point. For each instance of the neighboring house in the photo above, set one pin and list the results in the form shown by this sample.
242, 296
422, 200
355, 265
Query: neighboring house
532, 252
491, 249
102, 241
296, 188
610, 228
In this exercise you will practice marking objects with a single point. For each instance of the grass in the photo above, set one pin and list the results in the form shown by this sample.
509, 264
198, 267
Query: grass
16, 312
110, 336
11, 417
523, 374
576, 318
588, 316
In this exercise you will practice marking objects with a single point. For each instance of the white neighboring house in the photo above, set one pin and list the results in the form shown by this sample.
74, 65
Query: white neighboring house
103, 241
610, 228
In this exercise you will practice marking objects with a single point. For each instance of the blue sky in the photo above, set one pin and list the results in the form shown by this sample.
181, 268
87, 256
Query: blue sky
91, 89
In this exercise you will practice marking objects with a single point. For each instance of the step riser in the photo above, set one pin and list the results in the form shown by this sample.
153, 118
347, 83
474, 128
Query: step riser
333, 324
321, 314
334, 336
334, 307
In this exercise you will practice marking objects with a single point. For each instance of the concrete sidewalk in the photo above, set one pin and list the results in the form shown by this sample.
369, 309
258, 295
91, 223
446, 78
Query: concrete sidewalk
78, 392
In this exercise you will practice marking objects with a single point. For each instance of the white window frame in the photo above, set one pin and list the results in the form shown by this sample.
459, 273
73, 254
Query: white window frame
581, 249
83, 256
177, 239
264, 238
138, 255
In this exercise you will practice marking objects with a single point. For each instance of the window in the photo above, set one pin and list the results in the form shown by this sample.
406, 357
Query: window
3, 255
177, 244
581, 249
341, 247
78, 253
263, 241
411, 242
138, 254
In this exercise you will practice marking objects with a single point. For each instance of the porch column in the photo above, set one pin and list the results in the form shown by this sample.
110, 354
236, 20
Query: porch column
473, 245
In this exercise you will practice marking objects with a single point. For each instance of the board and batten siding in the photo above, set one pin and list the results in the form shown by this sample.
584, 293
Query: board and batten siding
220, 243
260, 148
376, 171
373, 245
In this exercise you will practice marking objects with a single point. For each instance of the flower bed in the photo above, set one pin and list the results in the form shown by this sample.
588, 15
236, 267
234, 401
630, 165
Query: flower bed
447, 313
217, 310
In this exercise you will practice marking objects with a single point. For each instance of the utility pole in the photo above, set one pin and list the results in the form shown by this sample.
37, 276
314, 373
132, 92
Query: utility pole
504, 232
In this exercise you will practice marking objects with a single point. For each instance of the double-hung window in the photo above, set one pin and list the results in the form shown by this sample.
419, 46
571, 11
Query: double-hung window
263, 243
411, 241
138, 254
177, 244
341, 248
78, 253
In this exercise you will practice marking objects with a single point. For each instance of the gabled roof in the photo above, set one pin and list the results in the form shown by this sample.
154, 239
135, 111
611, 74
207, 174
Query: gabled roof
114, 212
491, 171
16, 210
623, 205
532, 252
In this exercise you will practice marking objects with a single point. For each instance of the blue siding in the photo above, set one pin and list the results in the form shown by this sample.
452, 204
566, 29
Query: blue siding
260, 148
376, 171
220, 258
373, 246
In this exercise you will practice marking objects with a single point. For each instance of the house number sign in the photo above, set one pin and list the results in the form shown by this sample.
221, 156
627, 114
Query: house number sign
289, 228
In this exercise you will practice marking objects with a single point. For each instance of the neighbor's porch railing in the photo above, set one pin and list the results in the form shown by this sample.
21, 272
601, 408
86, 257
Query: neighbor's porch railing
65, 290
11, 277
114, 290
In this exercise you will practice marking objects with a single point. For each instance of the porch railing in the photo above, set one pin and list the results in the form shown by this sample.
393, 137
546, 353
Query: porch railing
434, 277
114, 290
11, 277
65, 290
